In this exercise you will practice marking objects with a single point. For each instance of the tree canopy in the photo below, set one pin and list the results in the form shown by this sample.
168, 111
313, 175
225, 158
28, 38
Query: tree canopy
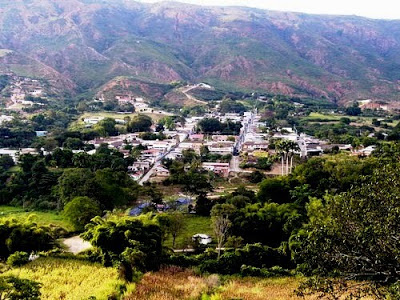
355, 234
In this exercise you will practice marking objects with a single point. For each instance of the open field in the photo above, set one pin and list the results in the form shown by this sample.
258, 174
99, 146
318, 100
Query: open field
71, 279
42, 218
79, 124
174, 283
325, 118
192, 224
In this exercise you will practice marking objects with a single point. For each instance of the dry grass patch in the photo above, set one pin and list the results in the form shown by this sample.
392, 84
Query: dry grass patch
175, 283
261, 289
169, 284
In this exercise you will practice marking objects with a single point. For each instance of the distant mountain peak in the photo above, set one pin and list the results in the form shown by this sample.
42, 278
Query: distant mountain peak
88, 43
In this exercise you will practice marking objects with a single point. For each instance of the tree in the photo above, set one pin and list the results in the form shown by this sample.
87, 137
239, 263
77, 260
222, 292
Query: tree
204, 151
220, 214
239, 201
73, 143
74, 183
286, 148
196, 183
62, 158
355, 235
132, 240
106, 127
230, 106
6, 162
210, 125
14, 288
353, 110
189, 155
274, 190
139, 123
82, 160
268, 223
151, 190
24, 236
80, 210
203, 205
168, 122
172, 223
256, 177
114, 188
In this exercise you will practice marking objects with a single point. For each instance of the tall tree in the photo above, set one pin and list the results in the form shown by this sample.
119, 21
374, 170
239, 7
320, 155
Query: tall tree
287, 148
221, 224
355, 235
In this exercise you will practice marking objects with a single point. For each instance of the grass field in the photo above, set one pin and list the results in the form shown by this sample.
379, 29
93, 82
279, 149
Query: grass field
192, 224
79, 124
327, 117
71, 279
358, 121
174, 283
42, 218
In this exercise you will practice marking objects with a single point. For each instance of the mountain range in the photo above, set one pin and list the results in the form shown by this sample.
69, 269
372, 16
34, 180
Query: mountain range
82, 45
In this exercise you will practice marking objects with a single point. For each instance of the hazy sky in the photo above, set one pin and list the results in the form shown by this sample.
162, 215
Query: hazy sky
385, 9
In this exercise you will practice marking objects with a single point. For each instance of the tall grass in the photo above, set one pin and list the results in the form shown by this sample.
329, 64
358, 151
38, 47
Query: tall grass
175, 283
72, 279
169, 284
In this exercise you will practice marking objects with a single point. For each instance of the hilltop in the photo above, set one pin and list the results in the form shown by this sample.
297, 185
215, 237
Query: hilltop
81, 45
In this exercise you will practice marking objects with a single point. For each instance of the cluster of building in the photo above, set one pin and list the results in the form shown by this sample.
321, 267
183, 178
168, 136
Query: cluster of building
252, 139
15, 154
5, 119
22, 87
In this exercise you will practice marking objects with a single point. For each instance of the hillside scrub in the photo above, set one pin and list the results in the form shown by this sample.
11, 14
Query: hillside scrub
24, 236
73, 279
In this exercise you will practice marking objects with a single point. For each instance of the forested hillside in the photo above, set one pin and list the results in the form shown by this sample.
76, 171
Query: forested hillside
80, 45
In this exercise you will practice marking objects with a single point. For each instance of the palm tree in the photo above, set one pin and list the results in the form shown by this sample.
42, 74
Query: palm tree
293, 148
287, 148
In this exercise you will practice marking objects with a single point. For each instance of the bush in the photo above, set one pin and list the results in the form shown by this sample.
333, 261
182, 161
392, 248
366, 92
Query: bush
13, 287
253, 255
263, 272
18, 259
23, 236
256, 177
183, 261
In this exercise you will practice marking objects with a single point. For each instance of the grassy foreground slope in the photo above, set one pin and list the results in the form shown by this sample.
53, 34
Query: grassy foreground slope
71, 279
175, 283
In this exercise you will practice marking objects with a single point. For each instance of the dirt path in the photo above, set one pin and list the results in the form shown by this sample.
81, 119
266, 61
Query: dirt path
76, 244
190, 97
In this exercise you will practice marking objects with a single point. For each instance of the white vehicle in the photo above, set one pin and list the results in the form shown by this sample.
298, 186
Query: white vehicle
203, 239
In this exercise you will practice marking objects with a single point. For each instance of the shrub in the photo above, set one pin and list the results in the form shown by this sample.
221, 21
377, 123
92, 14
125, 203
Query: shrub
184, 261
18, 259
23, 236
246, 270
12, 287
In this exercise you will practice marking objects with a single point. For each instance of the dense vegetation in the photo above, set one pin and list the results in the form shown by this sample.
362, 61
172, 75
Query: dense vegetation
295, 222
71, 279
